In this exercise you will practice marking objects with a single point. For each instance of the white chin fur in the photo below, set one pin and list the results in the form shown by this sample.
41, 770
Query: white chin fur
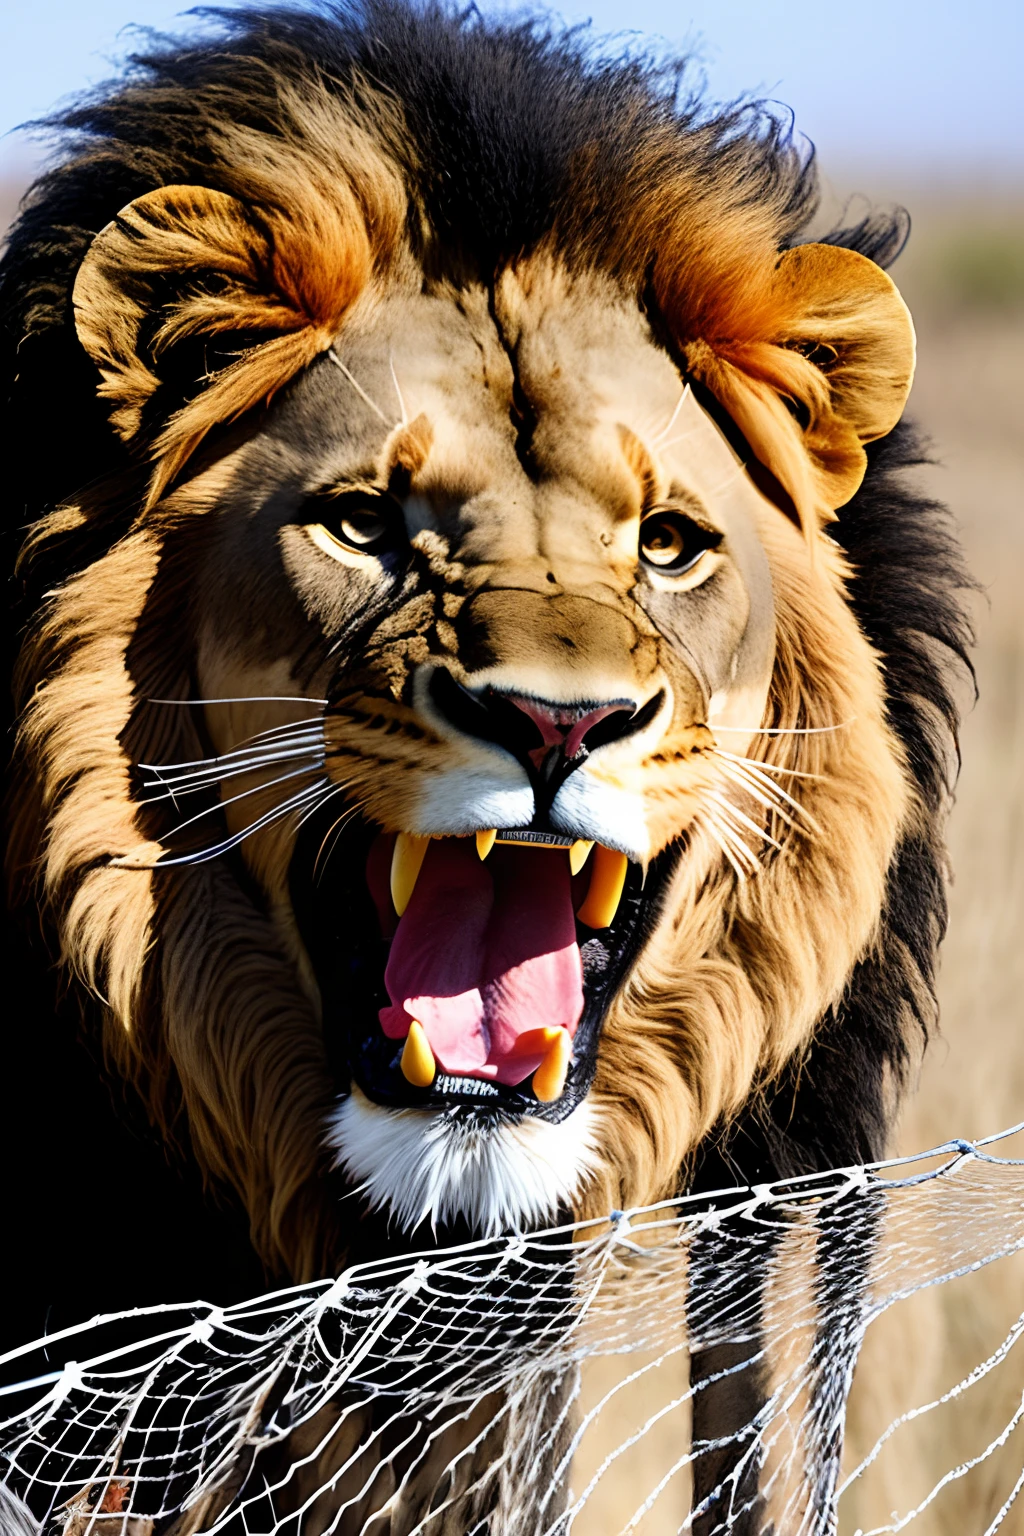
425, 1165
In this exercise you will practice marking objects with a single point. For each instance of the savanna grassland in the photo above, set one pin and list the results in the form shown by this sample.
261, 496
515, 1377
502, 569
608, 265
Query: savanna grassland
963, 275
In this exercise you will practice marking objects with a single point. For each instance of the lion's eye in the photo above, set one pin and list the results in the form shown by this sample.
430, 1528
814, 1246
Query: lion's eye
357, 523
363, 530
672, 543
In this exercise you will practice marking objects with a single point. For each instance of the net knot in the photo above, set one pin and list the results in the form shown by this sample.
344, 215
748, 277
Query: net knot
416, 1278
72, 1379
203, 1327
336, 1292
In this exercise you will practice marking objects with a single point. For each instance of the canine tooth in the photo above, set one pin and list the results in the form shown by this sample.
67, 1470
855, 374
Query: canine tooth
579, 853
406, 863
485, 842
418, 1064
536, 1042
607, 877
549, 1078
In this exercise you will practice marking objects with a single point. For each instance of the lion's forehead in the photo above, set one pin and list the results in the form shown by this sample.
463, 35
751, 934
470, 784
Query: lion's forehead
500, 374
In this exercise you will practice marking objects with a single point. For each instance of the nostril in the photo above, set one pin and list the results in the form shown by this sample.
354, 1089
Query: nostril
614, 717
617, 722
533, 729
488, 716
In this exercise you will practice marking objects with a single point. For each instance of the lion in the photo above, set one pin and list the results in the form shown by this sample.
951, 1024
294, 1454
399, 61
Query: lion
487, 690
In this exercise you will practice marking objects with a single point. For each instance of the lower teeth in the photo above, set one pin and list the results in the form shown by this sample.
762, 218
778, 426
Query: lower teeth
477, 1087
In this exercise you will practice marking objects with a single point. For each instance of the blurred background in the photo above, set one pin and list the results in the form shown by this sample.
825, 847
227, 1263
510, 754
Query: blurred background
919, 102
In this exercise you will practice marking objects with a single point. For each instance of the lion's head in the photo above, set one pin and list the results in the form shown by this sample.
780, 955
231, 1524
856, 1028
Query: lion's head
452, 752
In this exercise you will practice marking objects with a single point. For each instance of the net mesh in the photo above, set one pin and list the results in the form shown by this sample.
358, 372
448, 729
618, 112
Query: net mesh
518, 1385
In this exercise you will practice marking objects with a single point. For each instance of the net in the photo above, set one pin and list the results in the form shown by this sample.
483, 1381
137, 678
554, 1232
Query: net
516, 1386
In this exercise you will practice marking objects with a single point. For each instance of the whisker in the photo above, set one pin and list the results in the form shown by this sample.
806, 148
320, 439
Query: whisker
193, 783
245, 698
738, 849
262, 752
300, 727
337, 822
750, 770
294, 737
780, 804
755, 762
770, 804
286, 808
234, 799
334, 789
730, 811
719, 813
682, 437
170, 795
265, 749
752, 867
712, 831
780, 730
336, 829
743, 773
736, 824
672, 419
737, 474
178, 790
398, 391
739, 872
336, 360
203, 855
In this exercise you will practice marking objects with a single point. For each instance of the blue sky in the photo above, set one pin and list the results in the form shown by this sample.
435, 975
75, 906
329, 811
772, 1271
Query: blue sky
933, 86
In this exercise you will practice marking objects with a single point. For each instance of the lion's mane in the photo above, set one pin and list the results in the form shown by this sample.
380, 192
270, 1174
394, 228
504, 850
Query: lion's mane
507, 139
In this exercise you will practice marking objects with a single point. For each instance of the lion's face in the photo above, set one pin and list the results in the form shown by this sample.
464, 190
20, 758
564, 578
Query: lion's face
525, 572
489, 522
453, 759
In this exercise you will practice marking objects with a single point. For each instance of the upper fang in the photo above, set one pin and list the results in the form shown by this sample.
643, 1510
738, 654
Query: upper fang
607, 878
579, 853
406, 863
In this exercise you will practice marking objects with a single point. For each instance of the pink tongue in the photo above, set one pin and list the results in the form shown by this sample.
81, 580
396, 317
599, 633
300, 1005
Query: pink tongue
483, 954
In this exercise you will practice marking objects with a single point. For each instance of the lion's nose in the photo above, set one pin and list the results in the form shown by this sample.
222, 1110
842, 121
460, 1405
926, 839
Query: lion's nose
540, 732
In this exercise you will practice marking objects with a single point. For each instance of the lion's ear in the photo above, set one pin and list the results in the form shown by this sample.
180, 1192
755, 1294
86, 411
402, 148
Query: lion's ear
188, 263
816, 363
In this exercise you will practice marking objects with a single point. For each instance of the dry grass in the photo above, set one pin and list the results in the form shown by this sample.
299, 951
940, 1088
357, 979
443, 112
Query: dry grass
969, 305
964, 279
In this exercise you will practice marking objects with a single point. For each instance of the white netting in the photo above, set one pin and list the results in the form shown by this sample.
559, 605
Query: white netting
442, 1392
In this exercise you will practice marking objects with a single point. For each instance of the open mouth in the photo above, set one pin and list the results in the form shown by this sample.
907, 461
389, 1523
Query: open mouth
468, 970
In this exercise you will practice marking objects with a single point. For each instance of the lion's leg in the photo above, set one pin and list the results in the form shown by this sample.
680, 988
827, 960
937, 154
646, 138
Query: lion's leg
834, 1114
728, 1380
847, 1240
